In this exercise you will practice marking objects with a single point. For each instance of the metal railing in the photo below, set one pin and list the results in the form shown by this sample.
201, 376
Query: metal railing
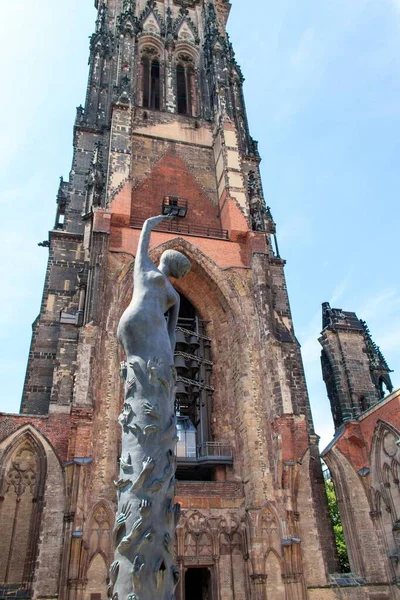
214, 449
178, 226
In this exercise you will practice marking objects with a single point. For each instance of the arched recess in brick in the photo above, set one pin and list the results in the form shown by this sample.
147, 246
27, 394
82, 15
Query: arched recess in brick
232, 551
314, 568
99, 531
96, 587
385, 464
32, 504
217, 302
21, 504
273, 570
355, 512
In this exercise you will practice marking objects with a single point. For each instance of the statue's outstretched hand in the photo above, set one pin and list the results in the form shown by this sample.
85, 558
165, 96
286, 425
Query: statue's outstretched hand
153, 221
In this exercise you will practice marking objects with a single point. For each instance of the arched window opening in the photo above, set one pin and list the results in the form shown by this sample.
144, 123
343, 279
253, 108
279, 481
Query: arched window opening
151, 80
383, 388
186, 87
363, 403
336, 521
181, 90
96, 588
197, 455
20, 507
155, 85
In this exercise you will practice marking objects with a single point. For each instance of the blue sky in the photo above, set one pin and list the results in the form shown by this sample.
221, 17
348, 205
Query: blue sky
322, 90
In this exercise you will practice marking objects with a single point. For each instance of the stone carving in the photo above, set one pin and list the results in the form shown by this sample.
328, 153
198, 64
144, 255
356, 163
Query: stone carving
145, 526
22, 474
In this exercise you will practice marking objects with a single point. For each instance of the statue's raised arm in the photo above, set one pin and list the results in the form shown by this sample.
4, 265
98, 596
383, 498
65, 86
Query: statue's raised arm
145, 525
142, 261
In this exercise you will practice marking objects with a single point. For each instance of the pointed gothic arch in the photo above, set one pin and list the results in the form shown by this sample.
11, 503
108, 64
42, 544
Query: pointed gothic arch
186, 77
274, 571
151, 11
150, 76
385, 468
97, 574
23, 474
32, 502
355, 509
99, 531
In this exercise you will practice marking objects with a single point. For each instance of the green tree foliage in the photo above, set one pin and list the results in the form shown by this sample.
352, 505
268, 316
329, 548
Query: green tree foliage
337, 526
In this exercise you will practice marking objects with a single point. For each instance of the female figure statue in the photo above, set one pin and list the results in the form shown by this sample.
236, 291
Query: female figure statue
145, 526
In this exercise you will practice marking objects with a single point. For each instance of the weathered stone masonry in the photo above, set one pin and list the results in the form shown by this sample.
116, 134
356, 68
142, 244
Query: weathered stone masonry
164, 122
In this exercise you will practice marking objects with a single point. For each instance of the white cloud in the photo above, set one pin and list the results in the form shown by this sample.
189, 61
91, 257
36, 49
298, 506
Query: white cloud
382, 303
339, 290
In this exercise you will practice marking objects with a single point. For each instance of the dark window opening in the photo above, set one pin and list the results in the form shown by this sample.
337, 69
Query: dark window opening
155, 85
146, 81
198, 584
181, 90
151, 83
187, 310
190, 90
363, 403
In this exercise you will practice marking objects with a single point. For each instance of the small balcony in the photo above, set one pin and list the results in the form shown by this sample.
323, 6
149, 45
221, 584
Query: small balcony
215, 452
177, 225
199, 463
173, 205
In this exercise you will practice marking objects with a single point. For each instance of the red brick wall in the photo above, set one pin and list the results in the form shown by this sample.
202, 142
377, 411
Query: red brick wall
70, 435
171, 176
356, 441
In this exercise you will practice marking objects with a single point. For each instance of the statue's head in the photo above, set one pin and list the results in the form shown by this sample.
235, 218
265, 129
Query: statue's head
174, 264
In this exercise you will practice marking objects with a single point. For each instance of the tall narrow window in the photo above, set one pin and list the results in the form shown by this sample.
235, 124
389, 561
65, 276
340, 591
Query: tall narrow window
181, 89
186, 86
146, 81
151, 82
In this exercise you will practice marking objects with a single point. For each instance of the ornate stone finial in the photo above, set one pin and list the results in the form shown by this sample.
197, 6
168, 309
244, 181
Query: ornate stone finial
95, 178
79, 114
258, 210
376, 357
129, 6
101, 18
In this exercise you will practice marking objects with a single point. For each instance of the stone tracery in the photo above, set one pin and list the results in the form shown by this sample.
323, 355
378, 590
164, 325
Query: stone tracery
21, 494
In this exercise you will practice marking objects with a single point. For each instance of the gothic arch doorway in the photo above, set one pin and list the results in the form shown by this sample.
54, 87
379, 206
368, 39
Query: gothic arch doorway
198, 584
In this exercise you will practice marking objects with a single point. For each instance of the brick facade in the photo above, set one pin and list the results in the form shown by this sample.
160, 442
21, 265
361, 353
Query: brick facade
363, 459
257, 526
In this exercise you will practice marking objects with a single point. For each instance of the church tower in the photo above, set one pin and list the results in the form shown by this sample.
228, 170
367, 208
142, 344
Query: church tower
354, 369
164, 130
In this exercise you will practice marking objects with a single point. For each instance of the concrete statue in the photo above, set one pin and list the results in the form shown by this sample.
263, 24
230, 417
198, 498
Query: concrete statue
143, 568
